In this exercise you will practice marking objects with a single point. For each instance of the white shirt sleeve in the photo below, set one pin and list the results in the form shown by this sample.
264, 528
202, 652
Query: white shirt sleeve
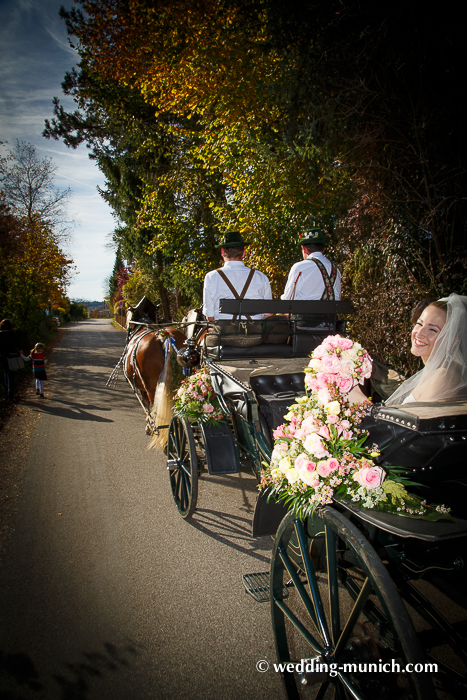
290, 283
209, 307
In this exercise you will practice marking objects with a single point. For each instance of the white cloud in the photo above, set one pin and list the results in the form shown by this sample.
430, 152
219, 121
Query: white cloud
35, 54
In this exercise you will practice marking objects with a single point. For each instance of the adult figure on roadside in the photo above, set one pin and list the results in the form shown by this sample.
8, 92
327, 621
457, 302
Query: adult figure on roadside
234, 281
9, 346
315, 277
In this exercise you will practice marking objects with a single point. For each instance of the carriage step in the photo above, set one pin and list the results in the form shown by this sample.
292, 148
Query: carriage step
257, 585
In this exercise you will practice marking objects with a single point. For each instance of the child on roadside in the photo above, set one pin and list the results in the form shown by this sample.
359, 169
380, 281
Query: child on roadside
39, 361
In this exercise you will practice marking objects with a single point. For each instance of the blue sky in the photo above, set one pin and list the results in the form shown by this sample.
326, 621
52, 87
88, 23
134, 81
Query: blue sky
34, 55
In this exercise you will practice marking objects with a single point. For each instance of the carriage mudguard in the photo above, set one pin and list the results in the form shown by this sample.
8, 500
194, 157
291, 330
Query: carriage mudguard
220, 449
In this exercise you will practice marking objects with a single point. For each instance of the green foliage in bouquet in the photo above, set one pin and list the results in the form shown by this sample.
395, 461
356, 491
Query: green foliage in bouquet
197, 401
321, 454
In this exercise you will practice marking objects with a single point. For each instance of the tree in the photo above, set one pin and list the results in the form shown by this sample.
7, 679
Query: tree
28, 185
34, 271
264, 115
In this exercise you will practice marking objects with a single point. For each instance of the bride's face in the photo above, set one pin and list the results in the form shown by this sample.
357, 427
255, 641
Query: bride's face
426, 331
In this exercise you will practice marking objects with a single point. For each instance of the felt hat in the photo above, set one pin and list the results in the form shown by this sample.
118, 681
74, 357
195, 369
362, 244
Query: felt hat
232, 239
314, 235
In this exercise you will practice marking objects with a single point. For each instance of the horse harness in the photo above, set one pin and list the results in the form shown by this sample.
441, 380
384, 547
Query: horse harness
234, 291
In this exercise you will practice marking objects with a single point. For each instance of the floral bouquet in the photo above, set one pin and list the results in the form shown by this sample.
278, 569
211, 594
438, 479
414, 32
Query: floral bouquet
320, 453
196, 399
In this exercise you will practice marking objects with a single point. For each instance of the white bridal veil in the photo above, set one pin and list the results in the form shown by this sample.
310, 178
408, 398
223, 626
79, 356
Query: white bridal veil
449, 356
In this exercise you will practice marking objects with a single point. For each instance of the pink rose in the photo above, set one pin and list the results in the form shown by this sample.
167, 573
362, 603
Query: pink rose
345, 384
300, 434
346, 424
333, 464
345, 343
314, 445
208, 408
332, 420
330, 363
324, 468
346, 369
309, 425
311, 382
302, 463
370, 477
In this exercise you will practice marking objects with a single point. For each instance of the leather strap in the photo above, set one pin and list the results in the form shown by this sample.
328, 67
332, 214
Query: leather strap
234, 291
329, 280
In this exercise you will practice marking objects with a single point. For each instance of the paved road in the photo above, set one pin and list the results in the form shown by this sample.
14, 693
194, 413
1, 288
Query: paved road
106, 593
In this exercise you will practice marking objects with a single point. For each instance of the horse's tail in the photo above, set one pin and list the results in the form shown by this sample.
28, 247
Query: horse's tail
164, 398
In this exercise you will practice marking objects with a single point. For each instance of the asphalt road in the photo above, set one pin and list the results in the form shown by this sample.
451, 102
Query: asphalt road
105, 592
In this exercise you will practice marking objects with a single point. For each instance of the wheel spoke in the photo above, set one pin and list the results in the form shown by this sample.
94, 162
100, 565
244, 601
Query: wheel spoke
186, 470
312, 582
353, 617
298, 625
350, 687
298, 584
331, 560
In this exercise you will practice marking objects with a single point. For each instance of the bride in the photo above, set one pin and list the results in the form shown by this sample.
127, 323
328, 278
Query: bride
439, 337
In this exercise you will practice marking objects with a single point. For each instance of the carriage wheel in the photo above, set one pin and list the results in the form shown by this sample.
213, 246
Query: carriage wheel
182, 464
340, 608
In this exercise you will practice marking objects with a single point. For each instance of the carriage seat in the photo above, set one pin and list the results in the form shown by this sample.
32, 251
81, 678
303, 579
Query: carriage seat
430, 441
275, 393
303, 335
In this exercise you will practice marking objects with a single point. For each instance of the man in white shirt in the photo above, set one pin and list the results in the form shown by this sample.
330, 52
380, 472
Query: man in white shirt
235, 281
314, 277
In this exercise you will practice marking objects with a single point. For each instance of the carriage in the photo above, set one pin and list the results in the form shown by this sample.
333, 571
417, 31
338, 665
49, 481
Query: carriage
363, 603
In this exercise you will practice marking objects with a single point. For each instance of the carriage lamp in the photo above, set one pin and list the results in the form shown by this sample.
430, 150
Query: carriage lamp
188, 356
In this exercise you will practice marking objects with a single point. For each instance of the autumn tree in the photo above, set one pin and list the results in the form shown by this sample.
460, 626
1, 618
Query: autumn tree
34, 271
264, 115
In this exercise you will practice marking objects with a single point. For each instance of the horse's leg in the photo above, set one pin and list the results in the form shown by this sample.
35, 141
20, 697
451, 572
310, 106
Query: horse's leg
150, 362
133, 375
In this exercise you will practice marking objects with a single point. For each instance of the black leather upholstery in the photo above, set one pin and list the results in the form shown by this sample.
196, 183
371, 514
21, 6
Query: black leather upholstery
223, 352
275, 383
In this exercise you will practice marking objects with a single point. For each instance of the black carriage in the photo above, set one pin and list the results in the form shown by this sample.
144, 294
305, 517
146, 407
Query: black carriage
254, 386
370, 604
362, 602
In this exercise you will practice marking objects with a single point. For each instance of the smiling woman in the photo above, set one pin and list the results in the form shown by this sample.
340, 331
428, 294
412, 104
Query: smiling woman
439, 337
427, 329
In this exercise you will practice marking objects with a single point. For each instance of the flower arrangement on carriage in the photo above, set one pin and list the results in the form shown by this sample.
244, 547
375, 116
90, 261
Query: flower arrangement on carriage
320, 453
196, 399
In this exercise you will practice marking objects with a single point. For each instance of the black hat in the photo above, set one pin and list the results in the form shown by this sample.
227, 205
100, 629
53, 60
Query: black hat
314, 235
232, 239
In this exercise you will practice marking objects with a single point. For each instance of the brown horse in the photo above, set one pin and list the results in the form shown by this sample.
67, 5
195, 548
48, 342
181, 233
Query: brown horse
148, 367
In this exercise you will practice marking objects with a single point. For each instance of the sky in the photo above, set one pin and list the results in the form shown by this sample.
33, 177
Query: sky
34, 56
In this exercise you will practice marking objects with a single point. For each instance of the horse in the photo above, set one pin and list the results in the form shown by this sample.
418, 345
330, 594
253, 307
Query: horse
148, 366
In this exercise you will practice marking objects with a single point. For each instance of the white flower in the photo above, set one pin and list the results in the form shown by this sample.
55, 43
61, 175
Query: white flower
333, 408
315, 364
284, 465
292, 475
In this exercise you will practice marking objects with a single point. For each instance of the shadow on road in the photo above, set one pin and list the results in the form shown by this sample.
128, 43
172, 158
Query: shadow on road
78, 414
231, 530
19, 668
75, 683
